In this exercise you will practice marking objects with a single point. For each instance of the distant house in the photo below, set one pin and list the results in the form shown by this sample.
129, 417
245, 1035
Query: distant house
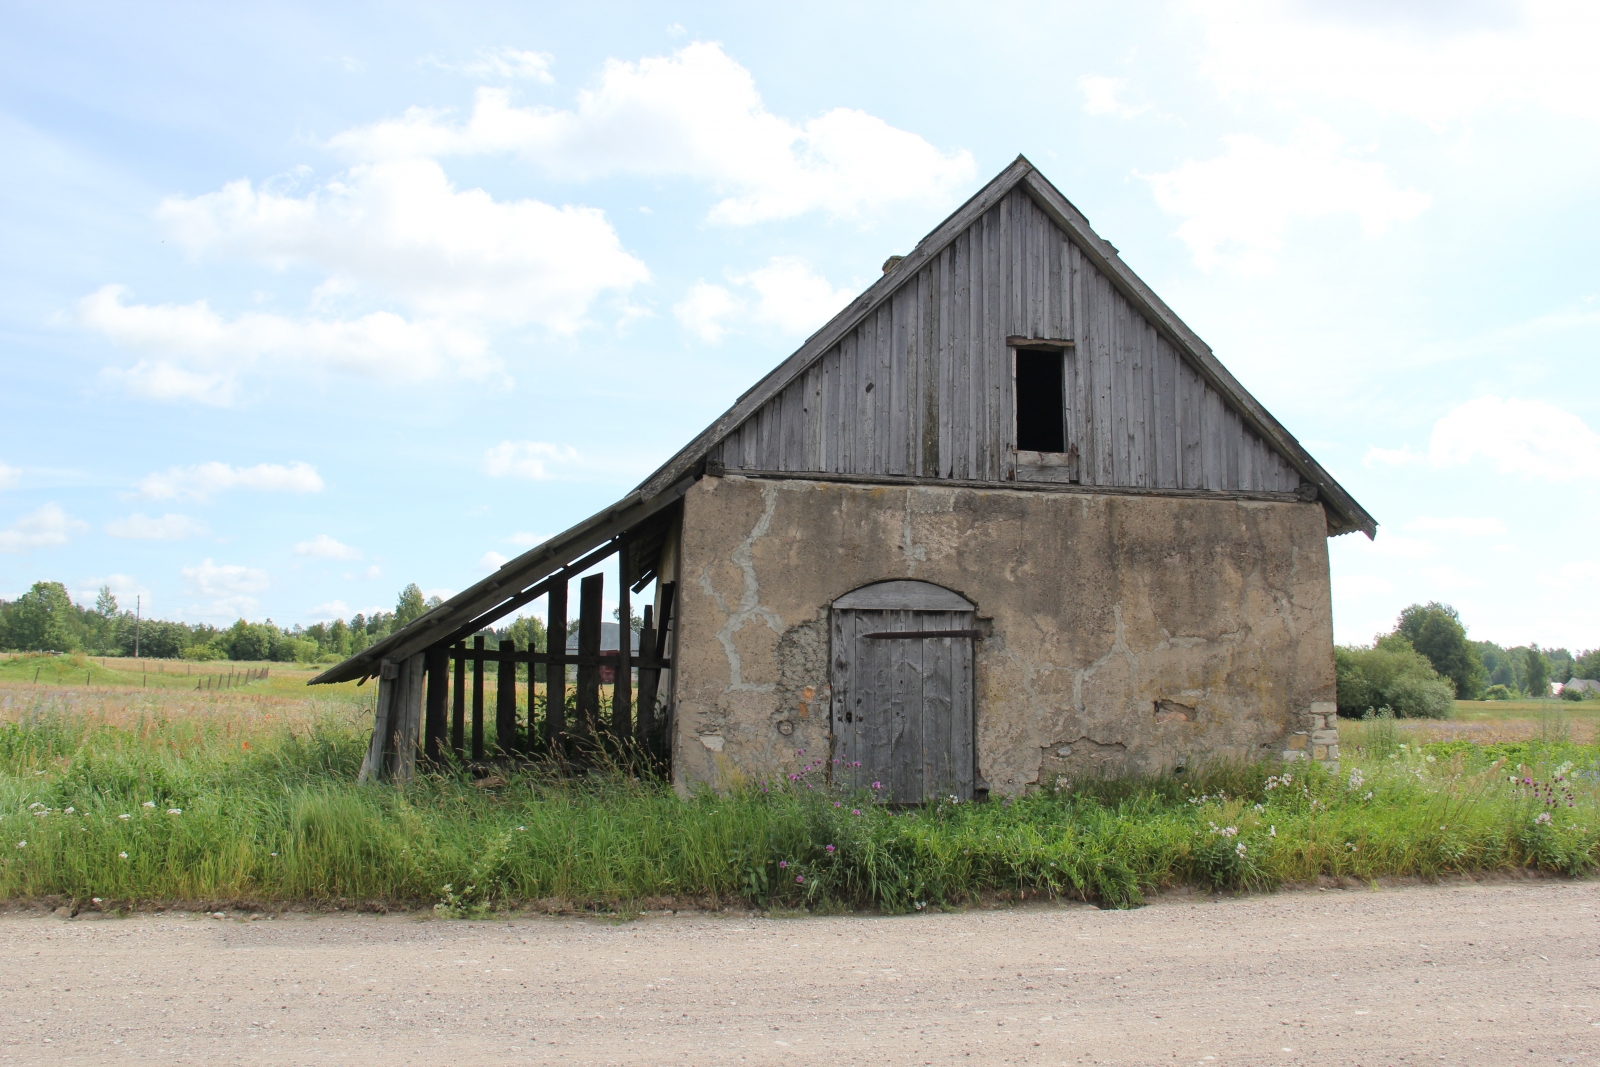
1004, 520
1585, 686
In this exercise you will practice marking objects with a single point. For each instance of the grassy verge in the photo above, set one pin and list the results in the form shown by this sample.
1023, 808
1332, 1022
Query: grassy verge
234, 797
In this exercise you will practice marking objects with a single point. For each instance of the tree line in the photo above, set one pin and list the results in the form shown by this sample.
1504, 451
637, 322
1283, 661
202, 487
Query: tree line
1427, 662
45, 619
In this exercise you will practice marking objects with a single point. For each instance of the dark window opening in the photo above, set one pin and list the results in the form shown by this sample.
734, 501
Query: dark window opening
1041, 414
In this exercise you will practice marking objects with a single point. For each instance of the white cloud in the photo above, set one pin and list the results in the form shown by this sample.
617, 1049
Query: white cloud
333, 609
1102, 96
527, 540
786, 294
200, 481
1451, 578
9, 476
694, 114
225, 580
324, 547
538, 460
1358, 585
1460, 524
417, 277
1520, 437
400, 228
792, 296
1439, 62
705, 311
1238, 207
369, 574
510, 63
201, 354
47, 527
131, 593
492, 560
224, 608
169, 527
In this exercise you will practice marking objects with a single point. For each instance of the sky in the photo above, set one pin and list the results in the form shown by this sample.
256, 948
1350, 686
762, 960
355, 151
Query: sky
300, 303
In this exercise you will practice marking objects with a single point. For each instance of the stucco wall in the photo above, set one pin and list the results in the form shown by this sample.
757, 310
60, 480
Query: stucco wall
1123, 632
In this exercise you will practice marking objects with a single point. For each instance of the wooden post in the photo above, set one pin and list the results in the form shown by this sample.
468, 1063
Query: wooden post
590, 593
649, 678
505, 703
438, 664
408, 713
622, 688
555, 670
458, 717
478, 655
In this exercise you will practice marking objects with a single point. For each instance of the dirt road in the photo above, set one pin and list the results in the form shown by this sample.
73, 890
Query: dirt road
1501, 974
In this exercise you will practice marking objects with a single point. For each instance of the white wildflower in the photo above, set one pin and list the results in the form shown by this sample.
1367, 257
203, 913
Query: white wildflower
174, 811
69, 811
1356, 779
94, 900
35, 806
124, 815
1239, 848
124, 855
149, 803
1542, 819
1261, 807
22, 844
1272, 831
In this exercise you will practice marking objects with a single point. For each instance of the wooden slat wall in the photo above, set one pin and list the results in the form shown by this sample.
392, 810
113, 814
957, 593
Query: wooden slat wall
923, 386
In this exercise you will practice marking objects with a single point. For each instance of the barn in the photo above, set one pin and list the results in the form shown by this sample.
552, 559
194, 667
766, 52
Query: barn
1004, 521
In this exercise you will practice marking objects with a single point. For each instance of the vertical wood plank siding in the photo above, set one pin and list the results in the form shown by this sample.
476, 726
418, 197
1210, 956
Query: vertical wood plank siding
923, 386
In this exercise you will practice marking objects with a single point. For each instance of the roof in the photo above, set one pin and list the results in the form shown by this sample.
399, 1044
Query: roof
568, 554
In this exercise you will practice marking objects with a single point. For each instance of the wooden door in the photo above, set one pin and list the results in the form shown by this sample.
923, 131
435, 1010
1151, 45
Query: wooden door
902, 692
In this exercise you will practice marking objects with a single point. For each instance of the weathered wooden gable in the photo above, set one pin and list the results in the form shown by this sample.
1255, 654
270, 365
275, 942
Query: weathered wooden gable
923, 385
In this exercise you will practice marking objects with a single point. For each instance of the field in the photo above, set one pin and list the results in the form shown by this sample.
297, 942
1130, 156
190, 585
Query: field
122, 787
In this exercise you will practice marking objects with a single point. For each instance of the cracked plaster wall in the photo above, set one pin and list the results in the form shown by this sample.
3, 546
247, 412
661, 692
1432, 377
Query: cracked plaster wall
1124, 633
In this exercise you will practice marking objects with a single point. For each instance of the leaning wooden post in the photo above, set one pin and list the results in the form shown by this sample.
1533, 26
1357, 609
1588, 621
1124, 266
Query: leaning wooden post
505, 702
408, 712
382, 722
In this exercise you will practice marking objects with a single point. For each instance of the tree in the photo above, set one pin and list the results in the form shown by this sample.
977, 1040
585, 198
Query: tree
105, 605
43, 620
1538, 673
1587, 665
410, 606
1435, 630
1392, 675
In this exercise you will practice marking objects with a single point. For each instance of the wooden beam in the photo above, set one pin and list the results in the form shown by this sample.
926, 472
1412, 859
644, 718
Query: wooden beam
408, 713
555, 671
1054, 343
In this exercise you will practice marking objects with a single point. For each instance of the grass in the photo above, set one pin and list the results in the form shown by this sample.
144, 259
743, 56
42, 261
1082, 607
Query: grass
156, 795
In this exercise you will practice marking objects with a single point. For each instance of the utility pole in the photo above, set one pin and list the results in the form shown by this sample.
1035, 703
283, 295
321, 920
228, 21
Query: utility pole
138, 607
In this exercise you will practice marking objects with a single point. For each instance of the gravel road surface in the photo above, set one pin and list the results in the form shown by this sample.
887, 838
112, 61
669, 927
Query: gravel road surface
1501, 974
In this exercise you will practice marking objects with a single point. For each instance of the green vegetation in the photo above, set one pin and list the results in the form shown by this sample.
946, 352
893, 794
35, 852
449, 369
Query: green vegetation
1403, 670
242, 798
1390, 675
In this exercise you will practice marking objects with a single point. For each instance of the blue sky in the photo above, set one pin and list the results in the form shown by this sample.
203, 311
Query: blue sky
301, 303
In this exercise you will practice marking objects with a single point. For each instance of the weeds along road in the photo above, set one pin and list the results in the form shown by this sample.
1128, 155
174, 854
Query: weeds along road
1499, 974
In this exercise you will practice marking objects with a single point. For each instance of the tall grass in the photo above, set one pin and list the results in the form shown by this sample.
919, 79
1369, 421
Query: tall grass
145, 803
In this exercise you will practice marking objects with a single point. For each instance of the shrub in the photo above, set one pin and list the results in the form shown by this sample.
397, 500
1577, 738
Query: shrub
1497, 692
1391, 674
1571, 694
